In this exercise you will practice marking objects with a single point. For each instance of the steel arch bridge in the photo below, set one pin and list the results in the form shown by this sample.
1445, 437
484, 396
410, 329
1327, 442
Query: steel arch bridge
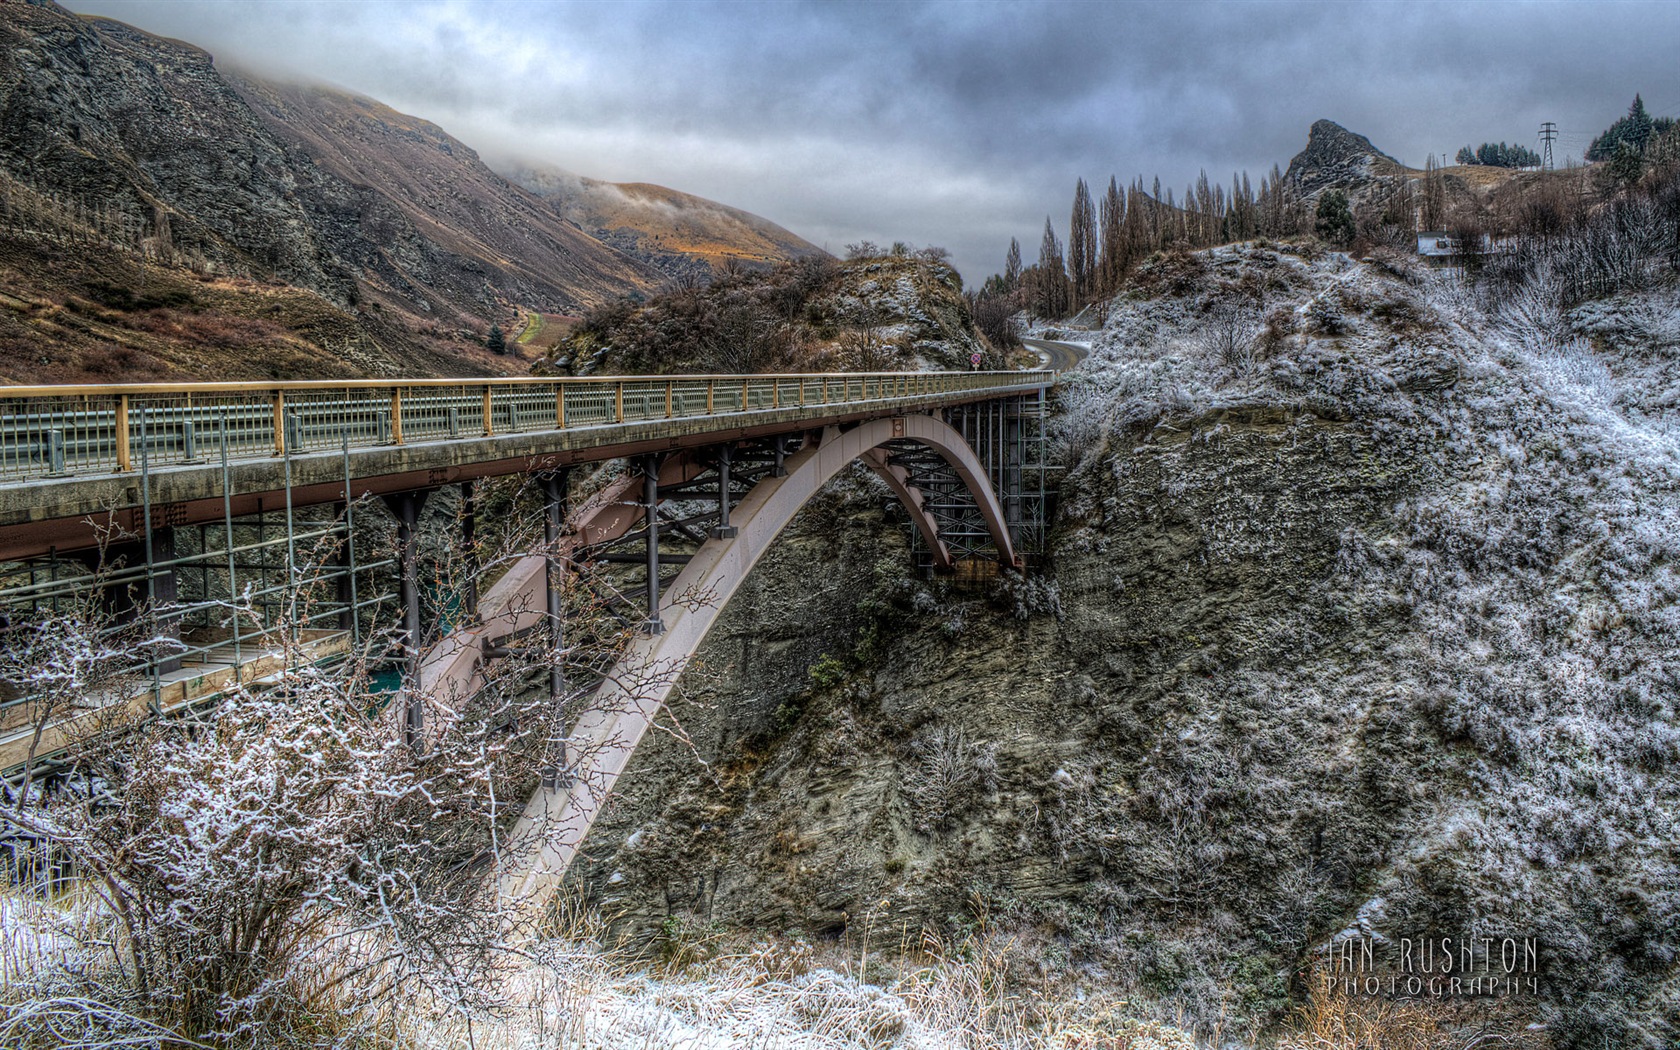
188, 475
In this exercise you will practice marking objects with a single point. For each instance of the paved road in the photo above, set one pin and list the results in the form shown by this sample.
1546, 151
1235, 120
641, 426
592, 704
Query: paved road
1058, 356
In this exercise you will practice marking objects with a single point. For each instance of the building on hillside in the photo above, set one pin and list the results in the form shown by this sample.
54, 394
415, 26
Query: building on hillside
1439, 248
1436, 244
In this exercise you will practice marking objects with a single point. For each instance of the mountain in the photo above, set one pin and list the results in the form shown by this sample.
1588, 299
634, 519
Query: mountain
161, 217
1337, 157
674, 232
422, 219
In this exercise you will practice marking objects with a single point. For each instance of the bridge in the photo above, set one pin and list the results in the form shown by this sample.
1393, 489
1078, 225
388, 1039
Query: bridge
183, 515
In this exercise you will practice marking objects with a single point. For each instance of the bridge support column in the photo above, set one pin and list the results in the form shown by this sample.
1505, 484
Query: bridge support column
166, 620
344, 567
724, 530
1012, 458
650, 503
406, 507
469, 554
555, 484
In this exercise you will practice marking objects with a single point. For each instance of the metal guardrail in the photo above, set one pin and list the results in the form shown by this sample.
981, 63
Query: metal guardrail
56, 431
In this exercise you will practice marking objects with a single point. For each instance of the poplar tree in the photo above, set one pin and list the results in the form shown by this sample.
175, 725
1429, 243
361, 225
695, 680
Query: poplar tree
1111, 267
1050, 296
1012, 266
1082, 248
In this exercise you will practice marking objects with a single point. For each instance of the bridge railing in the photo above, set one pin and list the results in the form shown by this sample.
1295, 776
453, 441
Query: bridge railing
54, 431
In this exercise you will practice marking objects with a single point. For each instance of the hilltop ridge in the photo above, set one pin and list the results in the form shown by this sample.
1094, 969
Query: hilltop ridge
674, 232
1337, 157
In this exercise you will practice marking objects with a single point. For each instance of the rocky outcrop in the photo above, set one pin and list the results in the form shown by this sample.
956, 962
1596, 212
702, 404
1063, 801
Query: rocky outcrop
1337, 158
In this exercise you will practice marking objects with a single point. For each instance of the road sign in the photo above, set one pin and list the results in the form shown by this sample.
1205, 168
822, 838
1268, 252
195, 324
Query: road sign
974, 359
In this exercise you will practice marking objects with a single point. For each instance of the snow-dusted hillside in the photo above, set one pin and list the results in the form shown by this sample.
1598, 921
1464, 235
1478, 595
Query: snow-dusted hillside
1361, 622
1513, 607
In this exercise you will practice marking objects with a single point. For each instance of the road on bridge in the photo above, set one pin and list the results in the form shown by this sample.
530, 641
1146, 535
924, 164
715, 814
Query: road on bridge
1058, 356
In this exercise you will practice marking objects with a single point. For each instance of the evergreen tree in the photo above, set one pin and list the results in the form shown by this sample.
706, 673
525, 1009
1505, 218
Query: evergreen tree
1466, 155
496, 341
1625, 165
1335, 218
1636, 129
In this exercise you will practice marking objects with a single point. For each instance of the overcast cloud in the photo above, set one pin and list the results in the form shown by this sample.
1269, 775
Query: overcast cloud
958, 124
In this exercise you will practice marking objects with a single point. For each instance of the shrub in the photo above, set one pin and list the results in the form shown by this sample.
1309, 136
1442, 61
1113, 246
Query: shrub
827, 672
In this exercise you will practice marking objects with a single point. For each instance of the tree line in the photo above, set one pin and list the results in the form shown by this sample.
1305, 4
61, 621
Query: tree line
1499, 155
1109, 235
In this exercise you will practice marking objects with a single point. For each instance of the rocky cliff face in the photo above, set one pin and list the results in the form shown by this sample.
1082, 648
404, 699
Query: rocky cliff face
1337, 158
101, 114
1369, 632
422, 220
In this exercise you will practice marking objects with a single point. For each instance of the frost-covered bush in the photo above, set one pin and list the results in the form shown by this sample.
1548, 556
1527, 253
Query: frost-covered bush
286, 857
276, 869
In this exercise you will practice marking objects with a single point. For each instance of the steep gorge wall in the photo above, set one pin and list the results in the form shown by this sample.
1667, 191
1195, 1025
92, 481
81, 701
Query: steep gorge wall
1371, 636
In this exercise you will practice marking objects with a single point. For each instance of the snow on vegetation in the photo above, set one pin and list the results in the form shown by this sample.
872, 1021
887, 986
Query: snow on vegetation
1518, 603
567, 994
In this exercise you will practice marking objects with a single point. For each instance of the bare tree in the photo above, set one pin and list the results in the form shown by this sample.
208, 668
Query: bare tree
1050, 284
1082, 249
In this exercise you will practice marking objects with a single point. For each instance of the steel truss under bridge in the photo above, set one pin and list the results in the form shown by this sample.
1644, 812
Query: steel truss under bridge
233, 503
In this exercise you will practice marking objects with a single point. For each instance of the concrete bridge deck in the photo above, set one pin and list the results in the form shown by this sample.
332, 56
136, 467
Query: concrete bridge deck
71, 454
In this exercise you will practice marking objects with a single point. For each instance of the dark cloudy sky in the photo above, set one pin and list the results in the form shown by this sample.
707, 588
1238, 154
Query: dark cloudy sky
959, 124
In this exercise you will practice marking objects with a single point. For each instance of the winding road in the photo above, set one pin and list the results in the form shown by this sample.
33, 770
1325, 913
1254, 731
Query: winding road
1058, 356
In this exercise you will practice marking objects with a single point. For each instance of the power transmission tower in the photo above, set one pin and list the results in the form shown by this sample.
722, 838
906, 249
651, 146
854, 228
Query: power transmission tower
1548, 132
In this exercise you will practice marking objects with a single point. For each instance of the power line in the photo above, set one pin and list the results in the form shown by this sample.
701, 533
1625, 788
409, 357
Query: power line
1548, 132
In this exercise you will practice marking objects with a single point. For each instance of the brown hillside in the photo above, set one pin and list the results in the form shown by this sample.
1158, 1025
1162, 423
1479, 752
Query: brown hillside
673, 231
159, 217
418, 211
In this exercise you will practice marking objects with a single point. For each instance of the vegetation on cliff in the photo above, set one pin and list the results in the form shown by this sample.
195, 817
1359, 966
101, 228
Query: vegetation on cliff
874, 311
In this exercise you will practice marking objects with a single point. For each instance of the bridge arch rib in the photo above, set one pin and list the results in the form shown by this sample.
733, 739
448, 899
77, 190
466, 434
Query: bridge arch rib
558, 816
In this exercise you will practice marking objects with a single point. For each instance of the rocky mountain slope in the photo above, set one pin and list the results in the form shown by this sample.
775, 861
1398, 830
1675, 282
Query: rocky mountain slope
674, 232
135, 175
1361, 622
1336, 157
423, 221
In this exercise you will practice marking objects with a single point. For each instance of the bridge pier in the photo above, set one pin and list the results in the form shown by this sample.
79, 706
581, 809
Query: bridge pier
406, 507
469, 553
555, 485
650, 504
723, 530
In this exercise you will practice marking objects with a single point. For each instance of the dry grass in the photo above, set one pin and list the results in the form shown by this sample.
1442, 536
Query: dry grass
1333, 1019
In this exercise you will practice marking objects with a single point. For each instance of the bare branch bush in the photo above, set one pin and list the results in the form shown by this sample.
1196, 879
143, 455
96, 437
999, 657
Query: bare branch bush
280, 869
943, 773
1230, 332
